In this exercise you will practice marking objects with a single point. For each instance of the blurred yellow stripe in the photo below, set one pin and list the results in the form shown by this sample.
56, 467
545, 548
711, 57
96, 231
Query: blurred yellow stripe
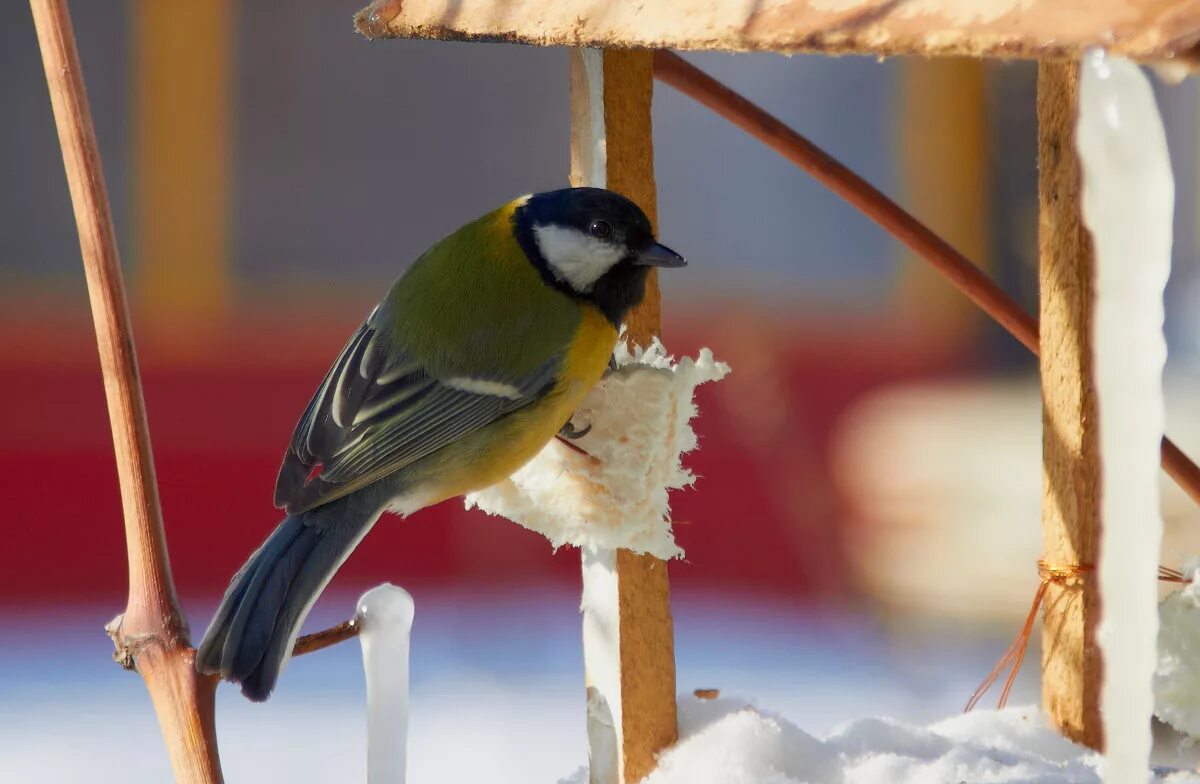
943, 159
182, 68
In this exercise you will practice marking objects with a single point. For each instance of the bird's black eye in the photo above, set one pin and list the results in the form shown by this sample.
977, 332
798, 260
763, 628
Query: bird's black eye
600, 229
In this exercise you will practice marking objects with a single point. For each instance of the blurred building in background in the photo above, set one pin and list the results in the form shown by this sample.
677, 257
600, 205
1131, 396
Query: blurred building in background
271, 173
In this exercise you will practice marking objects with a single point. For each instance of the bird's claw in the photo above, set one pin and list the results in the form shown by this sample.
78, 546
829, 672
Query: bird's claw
569, 430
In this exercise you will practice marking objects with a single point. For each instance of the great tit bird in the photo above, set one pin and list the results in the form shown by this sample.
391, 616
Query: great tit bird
475, 359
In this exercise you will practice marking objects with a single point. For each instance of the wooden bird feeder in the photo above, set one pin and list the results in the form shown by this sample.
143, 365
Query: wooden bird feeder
618, 49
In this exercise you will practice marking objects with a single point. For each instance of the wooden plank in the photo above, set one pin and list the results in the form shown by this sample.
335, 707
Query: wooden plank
647, 663
1152, 30
182, 55
1071, 661
943, 154
630, 658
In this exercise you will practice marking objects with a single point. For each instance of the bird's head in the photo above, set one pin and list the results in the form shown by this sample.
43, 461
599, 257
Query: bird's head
592, 244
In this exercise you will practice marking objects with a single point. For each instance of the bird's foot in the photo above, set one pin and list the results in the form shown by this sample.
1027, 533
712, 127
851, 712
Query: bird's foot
569, 433
569, 430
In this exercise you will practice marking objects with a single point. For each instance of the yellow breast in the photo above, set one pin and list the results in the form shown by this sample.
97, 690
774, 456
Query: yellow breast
588, 358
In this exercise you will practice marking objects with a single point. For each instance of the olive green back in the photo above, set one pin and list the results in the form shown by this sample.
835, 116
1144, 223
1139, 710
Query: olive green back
473, 303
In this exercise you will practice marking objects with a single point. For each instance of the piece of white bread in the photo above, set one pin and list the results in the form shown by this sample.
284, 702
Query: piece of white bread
616, 494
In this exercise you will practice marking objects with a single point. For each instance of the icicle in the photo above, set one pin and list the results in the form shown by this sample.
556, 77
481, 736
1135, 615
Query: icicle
602, 662
386, 616
1128, 199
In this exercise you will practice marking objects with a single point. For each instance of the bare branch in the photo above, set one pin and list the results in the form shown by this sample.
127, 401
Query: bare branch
151, 636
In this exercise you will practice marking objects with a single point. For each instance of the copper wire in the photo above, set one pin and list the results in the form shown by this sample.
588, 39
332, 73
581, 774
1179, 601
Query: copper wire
1014, 656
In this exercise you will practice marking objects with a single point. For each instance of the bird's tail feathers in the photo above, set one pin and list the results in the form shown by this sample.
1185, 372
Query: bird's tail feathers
251, 636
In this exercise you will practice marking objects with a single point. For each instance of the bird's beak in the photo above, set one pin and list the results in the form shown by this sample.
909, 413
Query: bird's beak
659, 256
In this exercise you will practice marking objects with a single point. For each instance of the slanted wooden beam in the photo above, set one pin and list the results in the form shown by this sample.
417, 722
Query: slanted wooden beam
1162, 30
629, 646
1071, 661
672, 69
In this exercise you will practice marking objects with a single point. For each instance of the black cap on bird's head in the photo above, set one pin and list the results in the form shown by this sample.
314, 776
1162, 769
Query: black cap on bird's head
593, 244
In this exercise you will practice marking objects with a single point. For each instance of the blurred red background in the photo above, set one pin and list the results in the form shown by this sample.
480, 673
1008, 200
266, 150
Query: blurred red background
762, 515
270, 174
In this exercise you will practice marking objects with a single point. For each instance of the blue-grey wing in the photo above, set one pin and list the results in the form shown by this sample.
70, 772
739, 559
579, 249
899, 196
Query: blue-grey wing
379, 409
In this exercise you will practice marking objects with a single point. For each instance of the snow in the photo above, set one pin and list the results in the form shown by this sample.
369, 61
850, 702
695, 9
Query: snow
593, 141
615, 496
506, 712
729, 741
385, 617
1128, 202
1177, 678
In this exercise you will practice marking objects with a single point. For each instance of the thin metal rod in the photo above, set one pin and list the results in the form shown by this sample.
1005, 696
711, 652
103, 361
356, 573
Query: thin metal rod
674, 71
326, 638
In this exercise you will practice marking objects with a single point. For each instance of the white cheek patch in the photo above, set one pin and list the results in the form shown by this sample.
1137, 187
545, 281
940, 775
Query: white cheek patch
575, 258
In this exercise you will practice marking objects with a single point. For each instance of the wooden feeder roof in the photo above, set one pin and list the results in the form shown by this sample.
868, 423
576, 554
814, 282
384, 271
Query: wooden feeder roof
1147, 30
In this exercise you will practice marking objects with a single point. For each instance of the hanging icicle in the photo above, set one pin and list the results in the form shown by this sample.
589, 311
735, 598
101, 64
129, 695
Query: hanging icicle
385, 615
1128, 203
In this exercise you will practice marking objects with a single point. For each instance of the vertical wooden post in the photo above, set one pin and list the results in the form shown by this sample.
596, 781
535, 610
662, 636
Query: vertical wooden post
630, 658
1071, 662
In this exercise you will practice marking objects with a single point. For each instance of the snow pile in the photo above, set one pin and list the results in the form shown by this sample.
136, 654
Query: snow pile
1128, 205
616, 494
385, 618
727, 741
1177, 679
